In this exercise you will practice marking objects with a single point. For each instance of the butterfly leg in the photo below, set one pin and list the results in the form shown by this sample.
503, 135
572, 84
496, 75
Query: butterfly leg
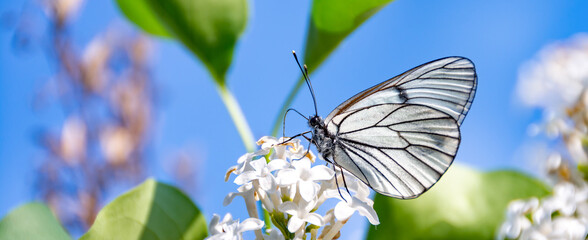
344, 182
337, 183
298, 135
307, 148
294, 137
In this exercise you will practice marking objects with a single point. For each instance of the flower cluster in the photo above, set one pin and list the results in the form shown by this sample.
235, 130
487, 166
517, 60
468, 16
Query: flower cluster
557, 82
557, 76
290, 189
564, 215
105, 91
231, 229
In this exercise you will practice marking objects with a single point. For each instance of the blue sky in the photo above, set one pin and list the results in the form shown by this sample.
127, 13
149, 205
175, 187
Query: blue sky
497, 35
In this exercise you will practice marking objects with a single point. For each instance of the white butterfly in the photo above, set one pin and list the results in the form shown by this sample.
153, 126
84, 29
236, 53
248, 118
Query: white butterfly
400, 136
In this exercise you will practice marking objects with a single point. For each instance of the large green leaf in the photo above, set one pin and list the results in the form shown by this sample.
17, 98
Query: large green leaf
331, 21
140, 13
209, 28
32, 221
150, 211
464, 204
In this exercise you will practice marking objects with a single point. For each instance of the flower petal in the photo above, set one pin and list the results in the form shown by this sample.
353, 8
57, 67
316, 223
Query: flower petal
302, 164
321, 173
245, 158
366, 210
250, 224
343, 211
259, 164
261, 152
294, 224
286, 177
246, 177
227, 218
214, 227
229, 198
277, 164
268, 183
307, 190
314, 218
268, 143
289, 208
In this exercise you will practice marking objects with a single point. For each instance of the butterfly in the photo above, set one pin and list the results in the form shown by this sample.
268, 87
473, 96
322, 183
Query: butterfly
400, 136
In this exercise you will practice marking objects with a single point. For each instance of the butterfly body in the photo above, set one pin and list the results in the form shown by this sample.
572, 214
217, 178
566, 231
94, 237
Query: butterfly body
400, 136
322, 139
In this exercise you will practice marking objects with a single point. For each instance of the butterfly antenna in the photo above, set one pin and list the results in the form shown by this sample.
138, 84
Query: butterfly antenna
307, 80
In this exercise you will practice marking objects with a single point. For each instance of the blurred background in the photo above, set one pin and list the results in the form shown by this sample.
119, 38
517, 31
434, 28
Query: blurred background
90, 107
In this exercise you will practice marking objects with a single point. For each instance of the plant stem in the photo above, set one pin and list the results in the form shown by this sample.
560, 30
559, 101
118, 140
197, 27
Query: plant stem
237, 115
243, 128
335, 229
267, 219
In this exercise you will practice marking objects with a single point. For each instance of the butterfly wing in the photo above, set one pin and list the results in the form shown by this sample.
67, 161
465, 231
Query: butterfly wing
400, 136
447, 84
399, 150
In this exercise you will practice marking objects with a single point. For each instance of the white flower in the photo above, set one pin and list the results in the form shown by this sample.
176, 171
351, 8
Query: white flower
359, 202
304, 177
576, 147
73, 140
95, 63
243, 163
553, 162
557, 76
560, 216
533, 233
62, 9
268, 142
564, 198
557, 81
301, 214
291, 190
260, 170
117, 144
344, 210
246, 191
289, 150
569, 228
516, 220
231, 229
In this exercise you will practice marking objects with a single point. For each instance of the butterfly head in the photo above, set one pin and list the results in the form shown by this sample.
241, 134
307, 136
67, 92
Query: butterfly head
315, 122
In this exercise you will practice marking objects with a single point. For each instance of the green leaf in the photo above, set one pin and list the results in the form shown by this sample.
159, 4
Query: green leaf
464, 204
140, 13
150, 211
583, 168
209, 28
331, 21
32, 221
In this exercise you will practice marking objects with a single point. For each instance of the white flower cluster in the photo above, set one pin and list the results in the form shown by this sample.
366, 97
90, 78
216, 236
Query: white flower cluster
564, 215
291, 190
557, 76
231, 229
557, 82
